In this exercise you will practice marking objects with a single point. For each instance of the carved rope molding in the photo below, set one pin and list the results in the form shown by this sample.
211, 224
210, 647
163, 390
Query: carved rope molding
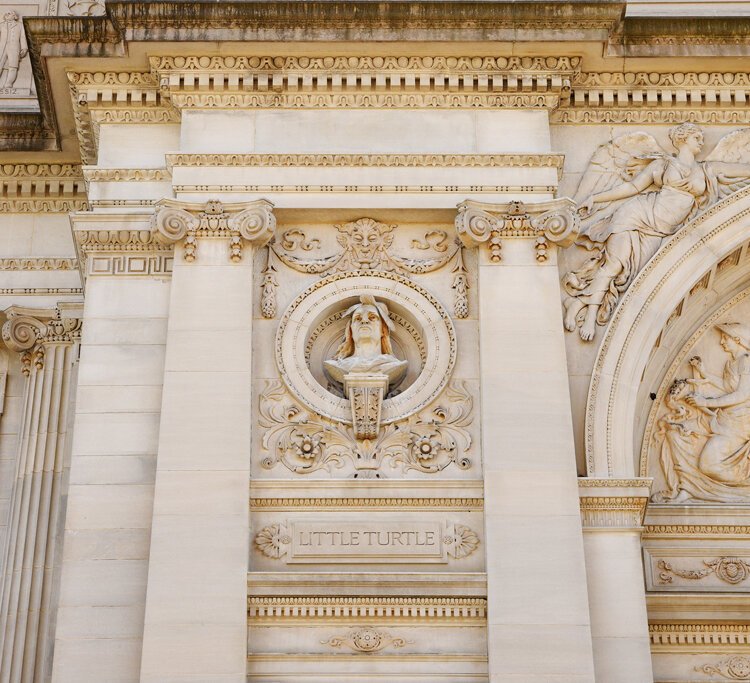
480, 223
252, 222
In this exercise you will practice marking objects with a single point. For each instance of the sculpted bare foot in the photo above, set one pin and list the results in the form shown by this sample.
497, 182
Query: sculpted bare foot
572, 309
588, 329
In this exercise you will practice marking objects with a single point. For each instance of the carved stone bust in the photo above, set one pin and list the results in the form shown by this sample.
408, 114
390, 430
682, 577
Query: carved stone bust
366, 348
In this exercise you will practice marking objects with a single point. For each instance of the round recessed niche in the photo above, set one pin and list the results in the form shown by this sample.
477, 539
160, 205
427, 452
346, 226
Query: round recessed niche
313, 326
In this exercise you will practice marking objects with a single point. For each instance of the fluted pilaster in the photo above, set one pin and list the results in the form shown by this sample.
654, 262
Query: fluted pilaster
48, 351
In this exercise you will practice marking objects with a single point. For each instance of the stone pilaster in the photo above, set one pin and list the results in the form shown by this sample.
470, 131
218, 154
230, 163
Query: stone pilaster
47, 344
112, 468
612, 513
196, 620
538, 613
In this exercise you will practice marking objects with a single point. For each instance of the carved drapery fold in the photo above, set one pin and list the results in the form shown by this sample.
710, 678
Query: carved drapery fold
479, 223
48, 353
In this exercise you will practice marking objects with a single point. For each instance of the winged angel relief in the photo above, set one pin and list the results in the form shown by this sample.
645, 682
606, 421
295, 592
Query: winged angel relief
632, 197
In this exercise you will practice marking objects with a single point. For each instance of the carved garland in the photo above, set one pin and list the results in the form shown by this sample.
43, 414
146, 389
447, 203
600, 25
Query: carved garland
365, 246
731, 570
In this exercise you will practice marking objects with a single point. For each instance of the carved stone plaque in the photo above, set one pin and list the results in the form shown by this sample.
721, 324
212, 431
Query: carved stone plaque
366, 542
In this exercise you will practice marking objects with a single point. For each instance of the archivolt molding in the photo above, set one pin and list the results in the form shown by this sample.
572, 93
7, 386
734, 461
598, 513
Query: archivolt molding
645, 308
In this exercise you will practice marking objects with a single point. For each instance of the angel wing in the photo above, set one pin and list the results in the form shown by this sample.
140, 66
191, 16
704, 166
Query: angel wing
613, 163
618, 161
733, 148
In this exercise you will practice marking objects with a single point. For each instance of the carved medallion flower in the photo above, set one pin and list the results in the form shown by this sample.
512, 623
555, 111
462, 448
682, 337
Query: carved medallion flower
307, 446
271, 540
463, 542
425, 447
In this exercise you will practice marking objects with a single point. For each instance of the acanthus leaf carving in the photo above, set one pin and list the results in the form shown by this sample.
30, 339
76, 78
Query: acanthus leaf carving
427, 442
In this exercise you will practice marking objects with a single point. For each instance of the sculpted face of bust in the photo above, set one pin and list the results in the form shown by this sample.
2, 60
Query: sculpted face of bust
367, 330
366, 348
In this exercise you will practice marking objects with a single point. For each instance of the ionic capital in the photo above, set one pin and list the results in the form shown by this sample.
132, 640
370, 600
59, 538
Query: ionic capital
480, 223
28, 330
247, 222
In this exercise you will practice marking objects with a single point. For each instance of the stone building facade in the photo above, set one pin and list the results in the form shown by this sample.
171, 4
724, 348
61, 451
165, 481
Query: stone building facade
397, 341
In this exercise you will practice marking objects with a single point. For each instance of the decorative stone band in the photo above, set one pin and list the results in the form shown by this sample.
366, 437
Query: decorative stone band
483, 223
41, 187
28, 330
696, 635
273, 609
613, 503
252, 222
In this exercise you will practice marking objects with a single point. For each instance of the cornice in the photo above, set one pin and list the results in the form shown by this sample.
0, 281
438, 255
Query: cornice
555, 161
41, 188
276, 504
689, 635
572, 22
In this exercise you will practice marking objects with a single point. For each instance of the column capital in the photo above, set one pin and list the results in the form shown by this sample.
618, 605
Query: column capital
613, 504
246, 222
28, 330
554, 221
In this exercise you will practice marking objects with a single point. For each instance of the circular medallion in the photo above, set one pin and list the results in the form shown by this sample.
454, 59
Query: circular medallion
313, 325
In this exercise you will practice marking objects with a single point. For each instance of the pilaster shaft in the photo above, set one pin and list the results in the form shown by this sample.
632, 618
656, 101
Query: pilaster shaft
612, 514
47, 344
538, 615
196, 622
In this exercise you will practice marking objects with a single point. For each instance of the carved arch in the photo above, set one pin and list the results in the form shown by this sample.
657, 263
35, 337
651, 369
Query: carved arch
659, 290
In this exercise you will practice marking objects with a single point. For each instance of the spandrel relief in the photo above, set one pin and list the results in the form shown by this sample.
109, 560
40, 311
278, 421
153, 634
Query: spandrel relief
633, 196
702, 436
